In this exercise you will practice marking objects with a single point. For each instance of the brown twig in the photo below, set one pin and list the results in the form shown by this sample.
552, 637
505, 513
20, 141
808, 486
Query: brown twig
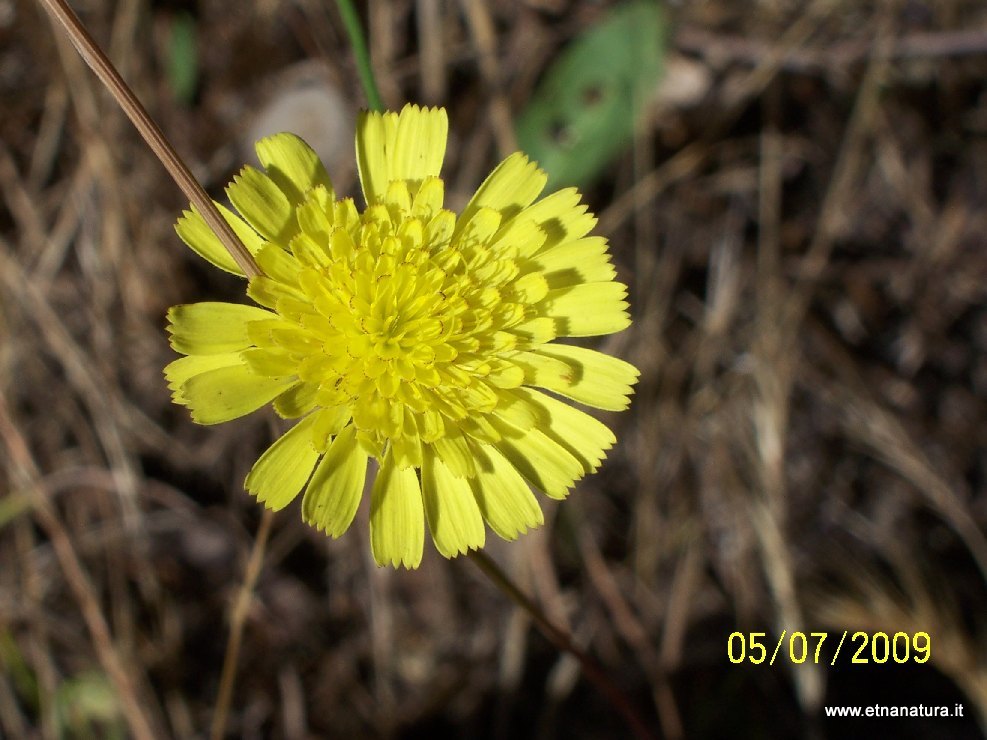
94, 56
78, 580
482, 29
562, 641
719, 48
238, 619
432, 54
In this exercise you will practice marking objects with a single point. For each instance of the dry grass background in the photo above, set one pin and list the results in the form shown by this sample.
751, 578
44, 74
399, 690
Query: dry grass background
803, 230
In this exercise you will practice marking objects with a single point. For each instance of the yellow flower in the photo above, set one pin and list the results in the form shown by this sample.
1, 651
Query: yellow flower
410, 335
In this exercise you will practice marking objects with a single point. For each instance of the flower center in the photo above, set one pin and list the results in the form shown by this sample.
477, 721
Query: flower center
401, 324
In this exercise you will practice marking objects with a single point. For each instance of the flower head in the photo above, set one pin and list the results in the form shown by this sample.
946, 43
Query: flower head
410, 335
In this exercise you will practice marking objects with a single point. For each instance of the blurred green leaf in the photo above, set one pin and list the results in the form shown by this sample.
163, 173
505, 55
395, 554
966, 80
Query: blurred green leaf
584, 110
183, 60
12, 506
88, 708
15, 666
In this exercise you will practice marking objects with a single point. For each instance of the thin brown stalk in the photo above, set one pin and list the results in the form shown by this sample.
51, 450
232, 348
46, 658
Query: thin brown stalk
482, 29
238, 619
563, 641
94, 56
78, 580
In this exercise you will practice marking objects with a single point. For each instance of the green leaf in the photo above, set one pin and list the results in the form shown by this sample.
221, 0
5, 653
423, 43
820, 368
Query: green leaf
13, 505
583, 113
183, 60
87, 706
16, 667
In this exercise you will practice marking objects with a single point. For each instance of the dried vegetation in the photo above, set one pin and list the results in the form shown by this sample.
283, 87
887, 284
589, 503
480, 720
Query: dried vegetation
802, 223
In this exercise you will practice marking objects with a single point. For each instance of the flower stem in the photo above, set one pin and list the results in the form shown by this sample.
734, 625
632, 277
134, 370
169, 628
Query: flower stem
238, 618
94, 56
351, 20
563, 641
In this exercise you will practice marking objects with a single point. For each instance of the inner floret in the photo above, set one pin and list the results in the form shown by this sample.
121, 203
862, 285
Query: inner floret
394, 321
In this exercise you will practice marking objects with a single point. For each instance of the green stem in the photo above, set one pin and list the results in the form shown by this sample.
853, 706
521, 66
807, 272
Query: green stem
351, 20
561, 640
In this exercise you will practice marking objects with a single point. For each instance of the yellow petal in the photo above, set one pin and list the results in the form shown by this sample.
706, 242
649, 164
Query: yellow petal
512, 186
479, 229
584, 375
505, 500
453, 515
269, 292
374, 136
456, 454
520, 237
439, 230
312, 253
529, 288
420, 144
293, 166
329, 422
543, 462
179, 371
586, 438
229, 393
505, 374
193, 230
296, 401
397, 518
516, 409
582, 261
428, 200
334, 493
588, 310
315, 216
281, 472
536, 331
398, 196
562, 216
212, 328
270, 363
409, 145
407, 451
479, 427
278, 264
264, 206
